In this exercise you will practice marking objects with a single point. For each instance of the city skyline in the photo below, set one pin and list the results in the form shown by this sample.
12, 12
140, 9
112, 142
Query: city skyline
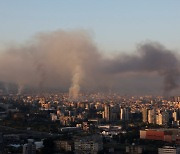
89, 77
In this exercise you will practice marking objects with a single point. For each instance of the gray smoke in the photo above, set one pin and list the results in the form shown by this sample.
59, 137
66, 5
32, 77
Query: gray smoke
151, 57
70, 60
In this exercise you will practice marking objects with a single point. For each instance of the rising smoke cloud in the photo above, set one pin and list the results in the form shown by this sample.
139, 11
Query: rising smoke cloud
151, 57
75, 86
70, 60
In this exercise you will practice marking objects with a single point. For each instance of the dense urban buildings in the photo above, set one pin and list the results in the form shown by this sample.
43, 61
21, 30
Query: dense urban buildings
93, 123
89, 77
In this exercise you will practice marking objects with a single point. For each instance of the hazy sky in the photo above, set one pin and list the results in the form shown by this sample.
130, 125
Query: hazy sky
114, 25
68, 54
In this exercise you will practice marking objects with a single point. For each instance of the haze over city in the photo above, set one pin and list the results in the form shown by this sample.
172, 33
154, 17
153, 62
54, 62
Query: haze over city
89, 77
124, 49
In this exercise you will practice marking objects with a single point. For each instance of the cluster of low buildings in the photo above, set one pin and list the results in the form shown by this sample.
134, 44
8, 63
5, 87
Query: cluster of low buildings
164, 134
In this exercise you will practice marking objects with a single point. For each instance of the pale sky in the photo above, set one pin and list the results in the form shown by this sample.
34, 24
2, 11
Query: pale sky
114, 25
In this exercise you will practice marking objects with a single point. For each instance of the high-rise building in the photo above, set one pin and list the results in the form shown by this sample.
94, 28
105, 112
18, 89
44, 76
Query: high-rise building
30, 147
175, 115
152, 116
124, 114
145, 115
159, 119
107, 112
165, 117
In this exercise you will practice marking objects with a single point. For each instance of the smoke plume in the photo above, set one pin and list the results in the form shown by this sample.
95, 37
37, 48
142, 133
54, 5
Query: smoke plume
70, 60
151, 57
75, 86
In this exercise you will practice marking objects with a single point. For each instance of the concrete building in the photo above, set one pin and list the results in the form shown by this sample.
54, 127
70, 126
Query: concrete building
124, 114
145, 115
152, 116
30, 147
107, 112
168, 150
134, 149
88, 145
175, 115
63, 145
159, 119
165, 117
